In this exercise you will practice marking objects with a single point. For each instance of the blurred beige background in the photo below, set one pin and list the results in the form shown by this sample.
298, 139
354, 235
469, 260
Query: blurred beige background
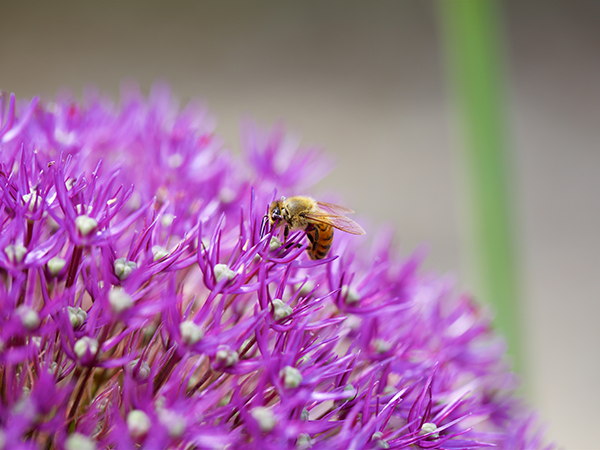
367, 82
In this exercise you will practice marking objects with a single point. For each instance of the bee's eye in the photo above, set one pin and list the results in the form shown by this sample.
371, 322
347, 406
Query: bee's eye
276, 214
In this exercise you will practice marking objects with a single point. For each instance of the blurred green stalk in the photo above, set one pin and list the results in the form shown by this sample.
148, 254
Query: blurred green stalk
473, 33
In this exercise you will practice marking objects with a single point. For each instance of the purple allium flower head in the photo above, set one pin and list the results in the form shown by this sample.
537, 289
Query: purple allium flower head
144, 305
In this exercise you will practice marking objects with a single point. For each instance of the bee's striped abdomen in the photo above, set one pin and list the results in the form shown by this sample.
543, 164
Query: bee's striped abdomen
321, 236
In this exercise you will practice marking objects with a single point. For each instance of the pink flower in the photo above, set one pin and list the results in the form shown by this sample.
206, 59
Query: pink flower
144, 302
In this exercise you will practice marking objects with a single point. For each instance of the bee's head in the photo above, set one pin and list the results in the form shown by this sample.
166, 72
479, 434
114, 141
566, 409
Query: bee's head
276, 212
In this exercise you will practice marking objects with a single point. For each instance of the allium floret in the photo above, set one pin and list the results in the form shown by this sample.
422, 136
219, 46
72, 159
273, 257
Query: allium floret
77, 316
138, 423
119, 300
55, 265
264, 417
29, 318
78, 441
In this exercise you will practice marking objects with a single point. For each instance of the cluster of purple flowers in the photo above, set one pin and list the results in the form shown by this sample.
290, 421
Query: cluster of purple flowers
142, 307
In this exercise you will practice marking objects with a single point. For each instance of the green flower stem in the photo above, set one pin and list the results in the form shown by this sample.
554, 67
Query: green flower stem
475, 54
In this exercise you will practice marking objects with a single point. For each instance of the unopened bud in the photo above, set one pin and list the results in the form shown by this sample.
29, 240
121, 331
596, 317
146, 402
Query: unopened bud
33, 199
304, 415
305, 288
84, 345
274, 244
226, 357
292, 377
280, 309
119, 300
350, 294
85, 224
223, 271
381, 346
78, 441
15, 253
76, 316
191, 333
143, 369
429, 427
29, 317
265, 418
138, 423
159, 252
55, 265
173, 422
167, 219
303, 442
123, 268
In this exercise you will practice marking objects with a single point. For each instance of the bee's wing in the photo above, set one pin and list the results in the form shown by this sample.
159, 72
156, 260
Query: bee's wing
340, 222
335, 209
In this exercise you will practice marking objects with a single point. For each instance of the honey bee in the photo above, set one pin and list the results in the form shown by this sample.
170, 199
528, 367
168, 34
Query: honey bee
318, 219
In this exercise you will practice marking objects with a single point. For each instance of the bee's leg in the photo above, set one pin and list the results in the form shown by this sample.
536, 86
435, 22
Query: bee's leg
310, 234
286, 232
263, 226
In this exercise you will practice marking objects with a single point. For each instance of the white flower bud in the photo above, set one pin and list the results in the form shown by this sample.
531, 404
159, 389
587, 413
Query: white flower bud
159, 252
305, 288
303, 442
84, 345
292, 377
123, 268
81, 209
143, 371
265, 418
160, 402
190, 332
36, 201
55, 265
304, 415
138, 423
85, 224
64, 137
274, 244
381, 346
53, 368
29, 317
175, 160
223, 271
77, 316
119, 300
78, 441
280, 309
350, 294
226, 195
226, 356
350, 391
382, 444
429, 427
173, 422
167, 219
15, 253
